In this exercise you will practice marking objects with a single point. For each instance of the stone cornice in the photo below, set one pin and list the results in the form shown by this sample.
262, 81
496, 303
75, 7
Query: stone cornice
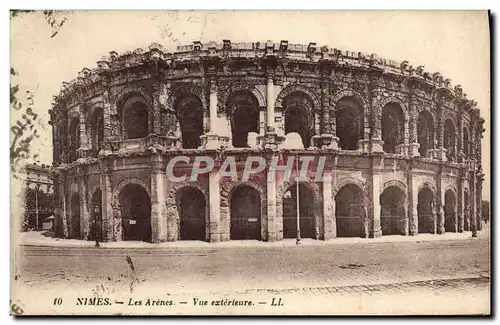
213, 57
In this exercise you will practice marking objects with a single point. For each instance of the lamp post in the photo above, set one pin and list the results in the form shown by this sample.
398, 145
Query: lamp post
36, 207
298, 200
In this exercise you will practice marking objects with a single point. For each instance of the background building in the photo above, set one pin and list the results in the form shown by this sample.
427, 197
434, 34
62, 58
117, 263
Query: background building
403, 146
39, 195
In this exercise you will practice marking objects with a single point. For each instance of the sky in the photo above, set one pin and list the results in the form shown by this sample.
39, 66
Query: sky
454, 43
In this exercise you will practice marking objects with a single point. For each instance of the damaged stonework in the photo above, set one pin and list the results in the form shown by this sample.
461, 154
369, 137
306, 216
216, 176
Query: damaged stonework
402, 147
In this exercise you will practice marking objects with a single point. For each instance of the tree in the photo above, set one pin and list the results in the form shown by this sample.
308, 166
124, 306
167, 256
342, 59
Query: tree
24, 130
485, 210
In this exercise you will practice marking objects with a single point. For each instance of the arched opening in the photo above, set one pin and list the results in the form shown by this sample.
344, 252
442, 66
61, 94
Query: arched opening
450, 222
298, 108
425, 130
75, 216
466, 210
350, 211
190, 114
97, 127
425, 210
449, 140
392, 127
245, 213
306, 207
191, 208
243, 108
135, 207
393, 214
135, 118
74, 139
96, 215
350, 122
466, 143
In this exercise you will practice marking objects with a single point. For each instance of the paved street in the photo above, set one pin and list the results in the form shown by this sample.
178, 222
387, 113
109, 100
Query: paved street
360, 269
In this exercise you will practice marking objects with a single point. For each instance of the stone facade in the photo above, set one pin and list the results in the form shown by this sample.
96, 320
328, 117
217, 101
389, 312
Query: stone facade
39, 194
402, 146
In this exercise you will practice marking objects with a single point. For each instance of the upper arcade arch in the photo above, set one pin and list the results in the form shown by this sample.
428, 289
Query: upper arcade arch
134, 112
129, 91
189, 112
97, 128
450, 139
299, 115
74, 138
467, 144
292, 88
425, 133
237, 88
349, 115
242, 108
393, 126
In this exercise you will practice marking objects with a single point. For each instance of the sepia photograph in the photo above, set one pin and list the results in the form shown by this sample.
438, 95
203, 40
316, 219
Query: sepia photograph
265, 163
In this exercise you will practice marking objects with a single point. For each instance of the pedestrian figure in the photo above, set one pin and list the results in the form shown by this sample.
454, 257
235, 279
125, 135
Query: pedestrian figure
96, 226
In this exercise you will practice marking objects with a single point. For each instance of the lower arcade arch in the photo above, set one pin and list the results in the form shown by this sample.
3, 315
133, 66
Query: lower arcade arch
135, 208
306, 212
392, 215
350, 211
450, 212
191, 205
96, 215
426, 211
75, 216
245, 211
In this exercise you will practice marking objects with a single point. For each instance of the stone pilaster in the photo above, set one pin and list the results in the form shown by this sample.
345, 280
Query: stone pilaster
84, 209
328, 139
439, 202
329, 227
271, 137
270, 98
108, 222
157, 108
479, 202
440, 152
460, 137
158, 207
406, 220
214, 201
413, 130
473, 212
374, 192
84, 143
108, 111
460, 203
376, 143
64, 211
211, 139
272, 228
412, 195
